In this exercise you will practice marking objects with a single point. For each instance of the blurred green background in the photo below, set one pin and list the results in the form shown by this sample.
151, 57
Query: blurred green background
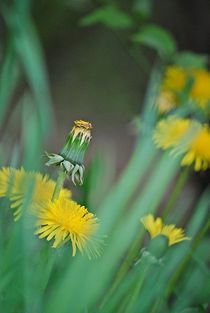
95, 72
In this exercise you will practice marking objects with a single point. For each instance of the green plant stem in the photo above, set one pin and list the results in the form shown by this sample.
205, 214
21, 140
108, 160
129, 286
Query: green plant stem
59, 184
136, 290
156, 305
124, 266
176, 192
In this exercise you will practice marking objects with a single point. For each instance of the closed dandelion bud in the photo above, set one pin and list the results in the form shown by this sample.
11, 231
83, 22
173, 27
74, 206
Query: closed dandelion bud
72, 155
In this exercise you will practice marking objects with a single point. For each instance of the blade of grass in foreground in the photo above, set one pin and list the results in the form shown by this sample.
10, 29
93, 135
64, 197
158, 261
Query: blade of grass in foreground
8, 79
114, 204
28, 50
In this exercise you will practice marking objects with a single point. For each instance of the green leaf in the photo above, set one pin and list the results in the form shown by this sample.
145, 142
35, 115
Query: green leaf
190, 59
9, 73
143, 8
28, 50
157, 38
191, 310
110, 16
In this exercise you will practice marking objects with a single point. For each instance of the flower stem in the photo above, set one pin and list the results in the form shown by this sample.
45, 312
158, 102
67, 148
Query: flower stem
176, 191
124, 267
59, 184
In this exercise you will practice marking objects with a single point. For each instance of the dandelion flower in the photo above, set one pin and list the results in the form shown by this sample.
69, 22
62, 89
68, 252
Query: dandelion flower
170, 131
198, 150
64, 220
175, 78
200, 91
17, 185
156, 227
185, 137
174, 82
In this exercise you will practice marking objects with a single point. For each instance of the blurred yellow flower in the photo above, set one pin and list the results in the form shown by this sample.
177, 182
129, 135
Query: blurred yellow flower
187, 137
198, 150
170, 131
156, 227
175, 78
65, 220
200, 91
20, 186
174, 81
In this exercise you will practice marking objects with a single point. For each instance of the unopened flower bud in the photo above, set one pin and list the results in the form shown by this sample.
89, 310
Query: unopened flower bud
72, 155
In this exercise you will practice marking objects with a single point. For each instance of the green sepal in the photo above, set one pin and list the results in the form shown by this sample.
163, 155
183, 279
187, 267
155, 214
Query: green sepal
54, 159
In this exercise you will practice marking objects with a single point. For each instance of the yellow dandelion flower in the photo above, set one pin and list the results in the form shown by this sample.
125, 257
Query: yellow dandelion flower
174, 82
198, 150
185, 137
17, 184
175, 78
64, 220
200, 90
169, 132
153, 226
156, 227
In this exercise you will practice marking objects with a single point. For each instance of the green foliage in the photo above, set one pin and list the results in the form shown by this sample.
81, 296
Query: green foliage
143, 8
157, 38
8, 79
133, 274
25, 48
110, 16
190, 59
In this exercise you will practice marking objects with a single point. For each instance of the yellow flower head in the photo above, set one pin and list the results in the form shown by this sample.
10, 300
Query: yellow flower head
200, 91
198, 150
155, 227
186, 137
17, 185
175, 80
170, 131
66, 220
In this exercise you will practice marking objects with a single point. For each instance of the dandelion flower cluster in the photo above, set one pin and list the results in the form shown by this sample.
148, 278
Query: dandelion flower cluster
64, 220
176, 79
156, 227
18, 185
185, 137
170, 131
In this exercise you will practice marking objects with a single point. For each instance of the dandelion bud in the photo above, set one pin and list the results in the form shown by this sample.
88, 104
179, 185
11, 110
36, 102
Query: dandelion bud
72, 155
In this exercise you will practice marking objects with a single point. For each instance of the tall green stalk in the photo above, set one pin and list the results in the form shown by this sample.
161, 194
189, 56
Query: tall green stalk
176, 192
